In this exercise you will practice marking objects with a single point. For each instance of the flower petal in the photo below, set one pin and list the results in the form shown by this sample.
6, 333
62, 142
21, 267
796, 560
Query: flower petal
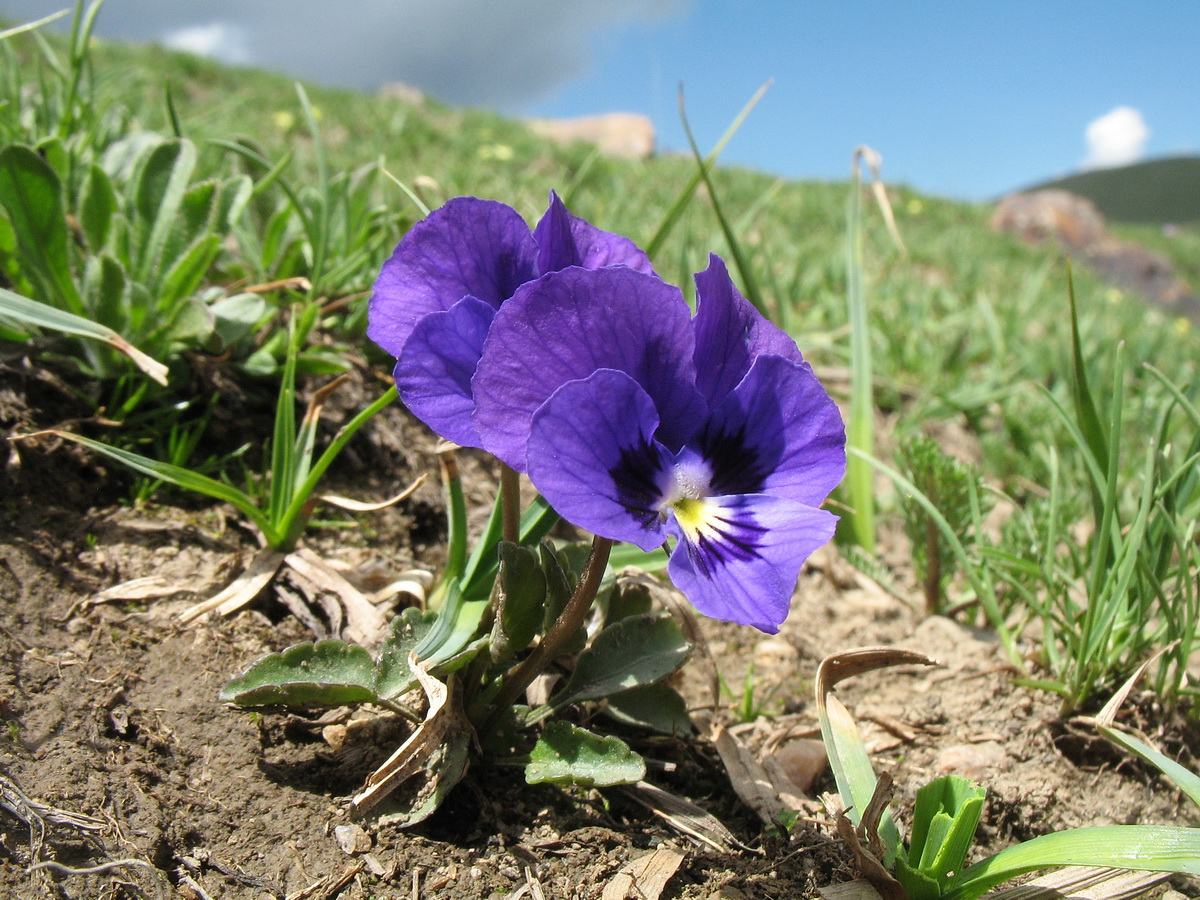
593, 456
741, 561
433, 373
566, 240
778, 432
469, 247
564, 327
730, 333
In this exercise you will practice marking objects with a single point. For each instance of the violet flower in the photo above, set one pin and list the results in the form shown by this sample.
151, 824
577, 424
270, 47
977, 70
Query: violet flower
639, 423
436, 296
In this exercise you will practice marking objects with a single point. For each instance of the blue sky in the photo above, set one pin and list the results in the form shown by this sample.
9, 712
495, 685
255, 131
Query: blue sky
966, 99
963, 99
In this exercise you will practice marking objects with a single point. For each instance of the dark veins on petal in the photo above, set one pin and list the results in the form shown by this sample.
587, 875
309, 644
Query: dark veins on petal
737, 468
723, 539
637, 476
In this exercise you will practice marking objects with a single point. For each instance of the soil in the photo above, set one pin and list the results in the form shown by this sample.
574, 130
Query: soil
117, 761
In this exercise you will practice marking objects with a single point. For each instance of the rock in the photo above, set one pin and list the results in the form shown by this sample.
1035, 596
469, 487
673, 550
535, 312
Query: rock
405, 93
352, 839
1039, 216
802, 761
1076, 224
621, 134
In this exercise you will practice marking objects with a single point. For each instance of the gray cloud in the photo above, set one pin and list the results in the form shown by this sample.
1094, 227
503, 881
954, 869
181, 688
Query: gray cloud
503, 53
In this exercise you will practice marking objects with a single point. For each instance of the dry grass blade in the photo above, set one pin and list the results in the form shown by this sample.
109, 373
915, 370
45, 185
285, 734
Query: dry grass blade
364, 623
685, 816
359, 506
1083, 884
768, 792
839, 666
645, 877
241, 590
875, 162
414, 754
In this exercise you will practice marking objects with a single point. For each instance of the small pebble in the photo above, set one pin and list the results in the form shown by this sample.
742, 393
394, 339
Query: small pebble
335, 736
352, 839
803, 760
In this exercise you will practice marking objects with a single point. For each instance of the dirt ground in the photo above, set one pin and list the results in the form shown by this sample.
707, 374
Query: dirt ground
117, 761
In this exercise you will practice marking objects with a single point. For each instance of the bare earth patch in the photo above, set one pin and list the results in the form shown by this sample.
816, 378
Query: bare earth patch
115, 753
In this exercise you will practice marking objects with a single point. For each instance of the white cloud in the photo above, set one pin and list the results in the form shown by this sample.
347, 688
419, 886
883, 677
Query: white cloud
505, 53
219, 40
1117, 138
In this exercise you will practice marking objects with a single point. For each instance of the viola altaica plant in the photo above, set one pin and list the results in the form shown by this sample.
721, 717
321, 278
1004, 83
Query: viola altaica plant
562, 353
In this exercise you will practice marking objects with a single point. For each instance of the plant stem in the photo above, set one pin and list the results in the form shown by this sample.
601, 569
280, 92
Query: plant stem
510, 502
573, 614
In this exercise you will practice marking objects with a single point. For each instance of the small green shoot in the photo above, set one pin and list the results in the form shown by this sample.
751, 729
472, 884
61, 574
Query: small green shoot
931, 865
952, 487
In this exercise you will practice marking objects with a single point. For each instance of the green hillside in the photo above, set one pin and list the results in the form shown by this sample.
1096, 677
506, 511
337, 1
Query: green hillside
1155, 192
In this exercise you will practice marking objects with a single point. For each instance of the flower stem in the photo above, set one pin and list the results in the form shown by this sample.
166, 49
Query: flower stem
510, 502
560, 632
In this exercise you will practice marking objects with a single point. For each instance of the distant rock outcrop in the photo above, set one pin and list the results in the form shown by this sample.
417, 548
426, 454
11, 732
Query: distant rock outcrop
405, 93
1075, 224
620, 134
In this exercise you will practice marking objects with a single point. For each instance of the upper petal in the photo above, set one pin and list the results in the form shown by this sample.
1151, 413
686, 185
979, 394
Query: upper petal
566, 240
730, 333
741, 563
777, 432
564, 327
433, 373
469, 247
593, 456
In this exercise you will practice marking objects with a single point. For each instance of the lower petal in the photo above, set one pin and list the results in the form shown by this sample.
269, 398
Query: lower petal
433, 374
593, 456
738, 557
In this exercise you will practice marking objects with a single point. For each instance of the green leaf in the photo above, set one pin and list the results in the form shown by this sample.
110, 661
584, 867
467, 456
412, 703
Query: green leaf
32, 193
97, 206
631, 653
328, 673
520, 601
565, 754
185, 274
559, 586
944, 820
190, 322
159, 190
393, 676
106, 291
236, 317
654, 707
1142, 848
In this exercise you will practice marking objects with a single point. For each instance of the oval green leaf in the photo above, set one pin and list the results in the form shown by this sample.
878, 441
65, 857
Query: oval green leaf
327, 673
566, 754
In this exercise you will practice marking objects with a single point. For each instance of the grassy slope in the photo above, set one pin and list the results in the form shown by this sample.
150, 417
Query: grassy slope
964, 324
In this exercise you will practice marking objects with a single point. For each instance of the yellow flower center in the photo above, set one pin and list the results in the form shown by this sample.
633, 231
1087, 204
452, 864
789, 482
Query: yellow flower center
692, 513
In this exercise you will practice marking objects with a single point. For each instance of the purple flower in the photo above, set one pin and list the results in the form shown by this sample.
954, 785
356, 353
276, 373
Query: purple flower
639, 422
436, 296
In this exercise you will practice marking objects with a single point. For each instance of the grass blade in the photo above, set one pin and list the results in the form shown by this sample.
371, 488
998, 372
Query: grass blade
749, 282
676, 211
1144, 848
176, 475
31, 312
